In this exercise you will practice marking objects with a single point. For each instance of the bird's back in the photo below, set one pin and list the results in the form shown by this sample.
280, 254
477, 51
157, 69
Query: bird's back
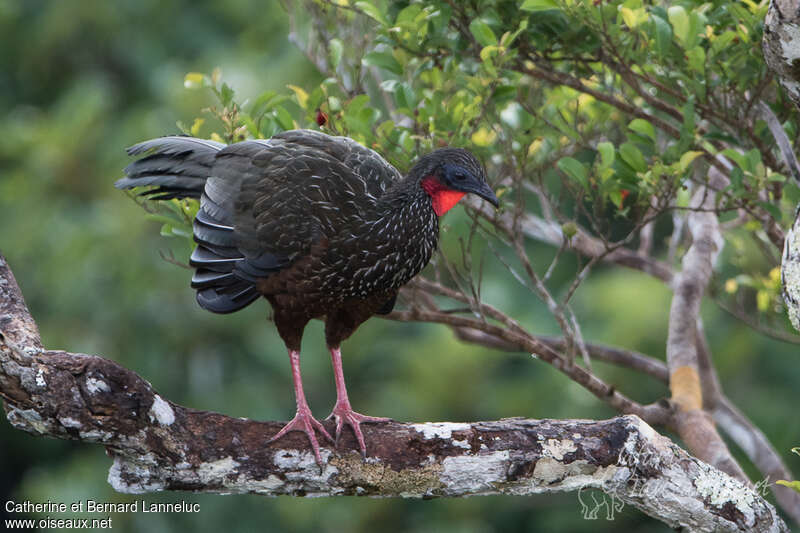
270, 203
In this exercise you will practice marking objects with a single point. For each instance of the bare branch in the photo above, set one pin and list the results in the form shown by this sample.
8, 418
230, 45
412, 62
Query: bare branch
781, 139
653, 413
548, 232
694, 425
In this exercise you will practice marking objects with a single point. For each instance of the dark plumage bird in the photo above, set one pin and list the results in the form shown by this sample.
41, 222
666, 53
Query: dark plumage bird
321, 226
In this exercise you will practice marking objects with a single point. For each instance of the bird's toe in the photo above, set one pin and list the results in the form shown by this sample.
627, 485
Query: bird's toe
303, 421
344, 414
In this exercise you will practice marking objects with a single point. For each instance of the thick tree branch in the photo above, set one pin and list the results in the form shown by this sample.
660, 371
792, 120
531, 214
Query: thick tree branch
781, 52
750, 439
781, 44
158, 445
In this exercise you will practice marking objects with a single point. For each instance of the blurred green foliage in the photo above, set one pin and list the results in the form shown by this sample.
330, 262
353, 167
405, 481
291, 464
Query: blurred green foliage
83, 80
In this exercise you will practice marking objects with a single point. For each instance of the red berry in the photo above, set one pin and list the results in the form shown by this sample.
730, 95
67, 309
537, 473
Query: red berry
322, 118
624, 194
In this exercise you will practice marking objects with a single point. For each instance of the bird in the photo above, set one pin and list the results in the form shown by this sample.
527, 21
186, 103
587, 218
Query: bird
319, 225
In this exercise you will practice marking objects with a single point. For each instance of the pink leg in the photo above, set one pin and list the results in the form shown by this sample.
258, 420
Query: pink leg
303, 421
342, 410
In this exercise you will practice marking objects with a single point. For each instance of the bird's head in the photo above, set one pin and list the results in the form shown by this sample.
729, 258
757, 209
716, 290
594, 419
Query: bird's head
448, 174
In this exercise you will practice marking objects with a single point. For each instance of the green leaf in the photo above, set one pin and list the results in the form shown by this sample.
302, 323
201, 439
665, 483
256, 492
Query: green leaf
166, 231
483, 137
488, 54
164, 219
606, 150
408, 15
753, 159
633, 157
384, 60
697, 21
301, 95
643, 127
284, 119
763, 300
633, 17
356, 104
687, 158
680, 22
195, 80
722, 41
503, 94
616, 198
737, 178
740, 159
265, 102
404, 96
372, 11
226, 95
198, 123
772, 209
508, 37
539, 5
574, 169
791, 484
697, 59
483, 33
663, 36
335, 49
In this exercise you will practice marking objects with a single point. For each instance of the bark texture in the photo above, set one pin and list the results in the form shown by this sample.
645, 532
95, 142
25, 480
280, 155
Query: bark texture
782, 53
782, 44
158, 445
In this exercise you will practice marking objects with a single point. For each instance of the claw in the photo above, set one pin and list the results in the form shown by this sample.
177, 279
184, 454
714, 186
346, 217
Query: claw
343, 413
303, 421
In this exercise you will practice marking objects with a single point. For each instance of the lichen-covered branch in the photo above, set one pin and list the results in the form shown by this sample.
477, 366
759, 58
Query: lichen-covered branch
782, 51
781, 44
158, 445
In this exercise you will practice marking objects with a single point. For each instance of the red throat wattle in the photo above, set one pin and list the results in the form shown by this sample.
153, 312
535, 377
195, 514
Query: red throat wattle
443, 198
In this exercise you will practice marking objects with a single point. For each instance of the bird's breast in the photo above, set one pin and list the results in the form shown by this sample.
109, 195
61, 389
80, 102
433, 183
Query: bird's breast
381, 255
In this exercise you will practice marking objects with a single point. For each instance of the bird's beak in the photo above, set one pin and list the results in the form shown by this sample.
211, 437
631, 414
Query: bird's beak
484, 191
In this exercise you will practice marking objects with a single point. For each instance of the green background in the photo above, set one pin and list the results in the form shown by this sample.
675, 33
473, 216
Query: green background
79, 82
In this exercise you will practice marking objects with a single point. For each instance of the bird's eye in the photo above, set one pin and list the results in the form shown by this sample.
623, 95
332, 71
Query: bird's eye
461, 177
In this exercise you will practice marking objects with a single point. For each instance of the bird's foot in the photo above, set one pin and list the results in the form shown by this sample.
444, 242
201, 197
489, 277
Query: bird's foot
303, 421
344, 414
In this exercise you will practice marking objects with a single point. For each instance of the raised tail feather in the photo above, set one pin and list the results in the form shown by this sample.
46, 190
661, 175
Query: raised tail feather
179, 167
176, 166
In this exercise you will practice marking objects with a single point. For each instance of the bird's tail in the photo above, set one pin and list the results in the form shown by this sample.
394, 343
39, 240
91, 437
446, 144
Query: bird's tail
177, 167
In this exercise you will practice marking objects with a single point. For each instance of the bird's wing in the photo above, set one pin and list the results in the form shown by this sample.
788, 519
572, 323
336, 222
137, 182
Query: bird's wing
377, 173
284, 194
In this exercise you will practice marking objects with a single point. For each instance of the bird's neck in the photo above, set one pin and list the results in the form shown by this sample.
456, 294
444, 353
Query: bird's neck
404, 194
408, 228
408, 205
